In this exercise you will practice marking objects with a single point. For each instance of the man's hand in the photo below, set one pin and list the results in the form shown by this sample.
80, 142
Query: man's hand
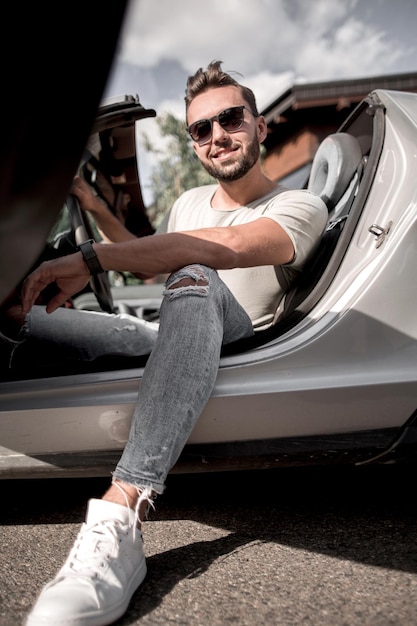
111, 227
87, 199
70, 274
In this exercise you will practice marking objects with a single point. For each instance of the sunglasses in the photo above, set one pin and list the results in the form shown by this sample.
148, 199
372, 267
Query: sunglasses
231, 120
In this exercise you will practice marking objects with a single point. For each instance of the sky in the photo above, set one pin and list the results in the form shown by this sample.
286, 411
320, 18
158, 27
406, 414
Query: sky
268, 45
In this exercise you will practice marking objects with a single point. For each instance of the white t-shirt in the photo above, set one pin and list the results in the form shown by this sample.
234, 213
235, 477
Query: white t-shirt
302, 215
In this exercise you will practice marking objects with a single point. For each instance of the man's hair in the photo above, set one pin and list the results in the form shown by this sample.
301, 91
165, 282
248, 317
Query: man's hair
212, 78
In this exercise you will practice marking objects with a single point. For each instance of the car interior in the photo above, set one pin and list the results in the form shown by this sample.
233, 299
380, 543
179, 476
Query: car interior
341, 174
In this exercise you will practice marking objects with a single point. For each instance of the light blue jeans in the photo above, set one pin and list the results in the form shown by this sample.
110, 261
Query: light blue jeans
195, 321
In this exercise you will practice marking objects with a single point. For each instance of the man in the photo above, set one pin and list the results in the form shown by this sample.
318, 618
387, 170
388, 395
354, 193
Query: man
221, 246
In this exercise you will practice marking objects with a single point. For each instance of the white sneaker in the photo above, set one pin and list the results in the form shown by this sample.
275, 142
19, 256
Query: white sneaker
103, 570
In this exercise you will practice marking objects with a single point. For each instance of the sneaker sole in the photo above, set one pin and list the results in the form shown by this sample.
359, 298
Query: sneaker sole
97, 618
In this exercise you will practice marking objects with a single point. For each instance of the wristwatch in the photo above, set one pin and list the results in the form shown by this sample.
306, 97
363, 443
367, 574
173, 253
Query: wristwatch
90, 257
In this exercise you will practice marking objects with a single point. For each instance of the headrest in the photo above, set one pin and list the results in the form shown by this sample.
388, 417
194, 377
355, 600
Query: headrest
334, 164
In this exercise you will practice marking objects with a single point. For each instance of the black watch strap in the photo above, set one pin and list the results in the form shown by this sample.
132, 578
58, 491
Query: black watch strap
90, 257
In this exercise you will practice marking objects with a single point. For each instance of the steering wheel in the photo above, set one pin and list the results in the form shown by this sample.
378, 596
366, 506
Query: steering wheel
82, 231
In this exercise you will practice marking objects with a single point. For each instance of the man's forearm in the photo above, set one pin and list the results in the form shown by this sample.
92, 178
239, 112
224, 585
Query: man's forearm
261, 242
164, 253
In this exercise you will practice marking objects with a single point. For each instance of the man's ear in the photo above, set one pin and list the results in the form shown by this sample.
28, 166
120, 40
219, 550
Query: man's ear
262, 128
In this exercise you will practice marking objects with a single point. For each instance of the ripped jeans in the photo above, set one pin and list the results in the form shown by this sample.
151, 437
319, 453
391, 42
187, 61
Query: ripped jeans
198, 315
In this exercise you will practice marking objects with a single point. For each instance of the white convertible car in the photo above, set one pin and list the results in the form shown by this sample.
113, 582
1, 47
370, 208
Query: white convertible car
334, 381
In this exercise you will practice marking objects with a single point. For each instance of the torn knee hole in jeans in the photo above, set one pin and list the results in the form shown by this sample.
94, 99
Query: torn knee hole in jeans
190, 280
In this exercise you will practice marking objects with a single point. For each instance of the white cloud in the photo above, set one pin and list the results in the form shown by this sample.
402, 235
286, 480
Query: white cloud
268, 86
320, 39
196, 31
353, 49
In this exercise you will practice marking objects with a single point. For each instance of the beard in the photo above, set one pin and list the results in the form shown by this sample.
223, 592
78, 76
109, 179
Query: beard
234, 169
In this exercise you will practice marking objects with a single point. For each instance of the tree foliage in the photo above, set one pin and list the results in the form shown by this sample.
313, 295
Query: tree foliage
177, 168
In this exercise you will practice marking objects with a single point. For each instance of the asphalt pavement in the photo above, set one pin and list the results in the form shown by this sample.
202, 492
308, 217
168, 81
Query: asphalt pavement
288, 547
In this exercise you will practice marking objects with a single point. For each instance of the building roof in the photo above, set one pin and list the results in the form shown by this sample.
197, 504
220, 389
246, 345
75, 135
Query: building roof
338, 93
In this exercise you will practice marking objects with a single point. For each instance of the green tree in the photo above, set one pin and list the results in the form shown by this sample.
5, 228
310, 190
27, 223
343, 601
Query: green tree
177, 169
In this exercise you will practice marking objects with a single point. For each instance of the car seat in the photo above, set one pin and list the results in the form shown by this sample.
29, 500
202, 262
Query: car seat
334, 169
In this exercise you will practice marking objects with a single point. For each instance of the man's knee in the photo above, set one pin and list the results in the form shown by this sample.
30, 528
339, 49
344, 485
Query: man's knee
188, 282
189, 279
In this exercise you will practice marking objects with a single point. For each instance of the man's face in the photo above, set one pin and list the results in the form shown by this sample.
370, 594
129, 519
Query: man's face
227, 156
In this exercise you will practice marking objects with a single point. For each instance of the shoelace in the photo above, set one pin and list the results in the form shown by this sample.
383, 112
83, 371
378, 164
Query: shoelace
94, 546
145, 494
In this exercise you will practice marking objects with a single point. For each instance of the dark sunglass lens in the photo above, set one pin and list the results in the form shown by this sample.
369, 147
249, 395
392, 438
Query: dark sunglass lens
201, 131
231, 119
